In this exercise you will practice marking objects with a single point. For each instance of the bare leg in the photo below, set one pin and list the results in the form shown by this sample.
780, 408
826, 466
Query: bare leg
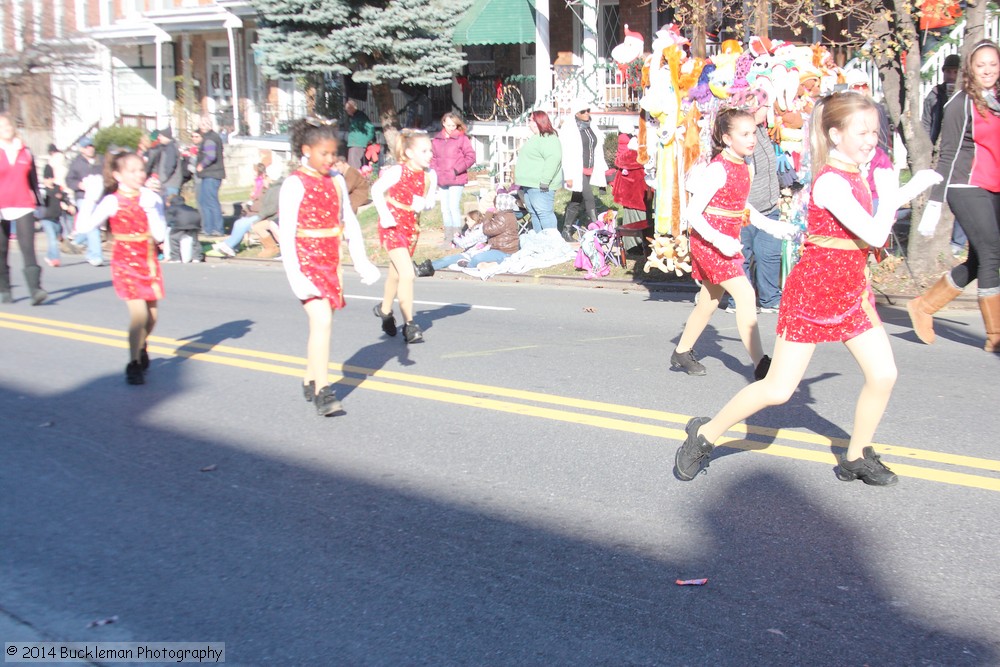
138, 324
708, 302
402, 271
746, 316
391, 285
874, 355
787, 368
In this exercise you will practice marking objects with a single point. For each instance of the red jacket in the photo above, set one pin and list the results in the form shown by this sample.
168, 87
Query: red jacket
629, 186
18, 181
452, 158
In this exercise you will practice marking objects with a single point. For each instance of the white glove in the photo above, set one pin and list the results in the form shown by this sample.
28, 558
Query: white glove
386, 221
369, 272
148, 199
930, 218
93, 187
776, 228
418, 203
886, 184
923, 179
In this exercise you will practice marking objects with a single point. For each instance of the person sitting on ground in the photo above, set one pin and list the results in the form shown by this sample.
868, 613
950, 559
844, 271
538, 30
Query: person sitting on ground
358, 187
499, 226
183, 222
227, 247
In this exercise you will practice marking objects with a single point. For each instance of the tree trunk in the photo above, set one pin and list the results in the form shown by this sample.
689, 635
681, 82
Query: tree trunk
387, 117
699, 19
761, 19
975, 24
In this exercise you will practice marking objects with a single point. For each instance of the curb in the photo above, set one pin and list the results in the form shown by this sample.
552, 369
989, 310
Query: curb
963, 302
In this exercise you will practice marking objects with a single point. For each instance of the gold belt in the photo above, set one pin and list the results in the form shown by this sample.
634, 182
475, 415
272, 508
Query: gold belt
323, 233
836, 243
398, 204
144, 236
725, 212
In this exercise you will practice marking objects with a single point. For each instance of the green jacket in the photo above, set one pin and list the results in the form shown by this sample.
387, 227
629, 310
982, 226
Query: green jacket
360, 130
539, 162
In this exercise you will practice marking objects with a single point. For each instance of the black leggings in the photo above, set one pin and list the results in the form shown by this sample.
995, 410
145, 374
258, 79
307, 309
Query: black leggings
978, 211
25, 228
581, 200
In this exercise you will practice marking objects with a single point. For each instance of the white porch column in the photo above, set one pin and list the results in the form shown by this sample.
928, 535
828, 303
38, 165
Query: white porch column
231, 23
543, 53
589, 48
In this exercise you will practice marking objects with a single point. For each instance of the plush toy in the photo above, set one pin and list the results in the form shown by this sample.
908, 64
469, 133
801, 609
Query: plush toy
669, 254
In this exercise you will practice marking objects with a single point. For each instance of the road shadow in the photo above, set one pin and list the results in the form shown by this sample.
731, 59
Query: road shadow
204, 341
299, 561
55, 296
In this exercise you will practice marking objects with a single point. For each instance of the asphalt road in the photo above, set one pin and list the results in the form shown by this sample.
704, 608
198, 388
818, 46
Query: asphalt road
500, 494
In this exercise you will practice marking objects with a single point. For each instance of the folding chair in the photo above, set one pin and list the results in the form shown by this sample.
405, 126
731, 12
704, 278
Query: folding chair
636, 230
521, 213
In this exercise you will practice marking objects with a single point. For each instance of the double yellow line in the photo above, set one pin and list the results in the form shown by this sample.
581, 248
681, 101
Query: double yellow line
609, 416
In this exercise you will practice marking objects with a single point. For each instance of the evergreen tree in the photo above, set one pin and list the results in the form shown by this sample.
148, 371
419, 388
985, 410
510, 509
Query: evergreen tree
379, 42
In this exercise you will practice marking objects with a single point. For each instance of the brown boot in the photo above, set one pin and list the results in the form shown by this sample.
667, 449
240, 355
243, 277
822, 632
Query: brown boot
269, 247
989, 306
924, 306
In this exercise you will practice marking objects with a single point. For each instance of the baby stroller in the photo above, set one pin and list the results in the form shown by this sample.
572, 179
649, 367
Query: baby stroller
598, 247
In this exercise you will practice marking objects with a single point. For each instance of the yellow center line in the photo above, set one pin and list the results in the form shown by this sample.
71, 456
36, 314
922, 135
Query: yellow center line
584, 412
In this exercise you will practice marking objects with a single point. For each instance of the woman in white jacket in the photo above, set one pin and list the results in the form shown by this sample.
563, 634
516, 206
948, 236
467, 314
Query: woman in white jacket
584, 165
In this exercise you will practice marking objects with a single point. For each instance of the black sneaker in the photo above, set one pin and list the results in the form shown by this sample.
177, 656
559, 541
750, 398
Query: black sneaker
869, 469
326, 403
763, 367
388, 321
309, 390
143, 359
687, 362
693, 456
133, 373
413, 333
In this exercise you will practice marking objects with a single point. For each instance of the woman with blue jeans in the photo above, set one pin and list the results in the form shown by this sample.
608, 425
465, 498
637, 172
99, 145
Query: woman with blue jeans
538, 171
453, 156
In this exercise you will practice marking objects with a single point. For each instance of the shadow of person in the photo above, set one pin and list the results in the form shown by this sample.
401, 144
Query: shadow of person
798, 412
55, 296
944, 327
204, 341
809, 580
709, 346
427, 318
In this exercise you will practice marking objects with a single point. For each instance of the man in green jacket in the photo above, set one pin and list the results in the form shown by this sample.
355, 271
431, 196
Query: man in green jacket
360, 133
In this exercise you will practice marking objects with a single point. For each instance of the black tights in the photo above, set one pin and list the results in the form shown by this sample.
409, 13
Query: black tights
978, 211
25, 229
581, 200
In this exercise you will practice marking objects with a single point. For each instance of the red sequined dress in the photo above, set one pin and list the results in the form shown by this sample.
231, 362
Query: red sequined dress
399, 198
318, 234
725, 213
828, 295
135, 271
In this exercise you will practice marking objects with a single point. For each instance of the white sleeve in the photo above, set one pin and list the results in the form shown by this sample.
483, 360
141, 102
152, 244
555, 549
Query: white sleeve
832, 192
710, 181
431, 190
91, 216
387, 178
775, 228
289, 197
153, 206
355, 240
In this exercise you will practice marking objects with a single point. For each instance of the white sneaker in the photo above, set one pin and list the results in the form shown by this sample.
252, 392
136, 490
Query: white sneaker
96, 262
224, 249
764, 309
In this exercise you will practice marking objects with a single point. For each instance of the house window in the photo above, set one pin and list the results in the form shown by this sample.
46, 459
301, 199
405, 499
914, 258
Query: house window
609, 28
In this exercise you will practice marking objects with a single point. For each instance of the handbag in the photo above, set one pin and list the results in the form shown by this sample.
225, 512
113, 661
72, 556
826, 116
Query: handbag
786, 171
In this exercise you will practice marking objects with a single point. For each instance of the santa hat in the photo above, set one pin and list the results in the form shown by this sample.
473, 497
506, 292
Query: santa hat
761, 45
630, 48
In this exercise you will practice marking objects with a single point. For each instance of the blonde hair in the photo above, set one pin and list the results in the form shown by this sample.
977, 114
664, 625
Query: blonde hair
833, 111
406, 140
459, 124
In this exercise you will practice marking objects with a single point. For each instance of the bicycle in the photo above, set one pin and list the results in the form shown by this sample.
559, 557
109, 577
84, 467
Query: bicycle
490, 99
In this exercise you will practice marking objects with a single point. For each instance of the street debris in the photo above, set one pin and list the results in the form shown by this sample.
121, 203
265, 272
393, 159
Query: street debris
692, 582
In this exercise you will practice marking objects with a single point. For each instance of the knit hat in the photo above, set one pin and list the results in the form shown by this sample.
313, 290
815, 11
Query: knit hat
166, 132
578, 105
47, 171
952, 61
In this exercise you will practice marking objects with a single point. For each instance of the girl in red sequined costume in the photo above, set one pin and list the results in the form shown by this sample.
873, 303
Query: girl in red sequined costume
135, 218
828, 294
716, 213
314, 216
401, 193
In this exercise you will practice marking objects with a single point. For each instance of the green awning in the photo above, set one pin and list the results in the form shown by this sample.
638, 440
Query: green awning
497, 22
